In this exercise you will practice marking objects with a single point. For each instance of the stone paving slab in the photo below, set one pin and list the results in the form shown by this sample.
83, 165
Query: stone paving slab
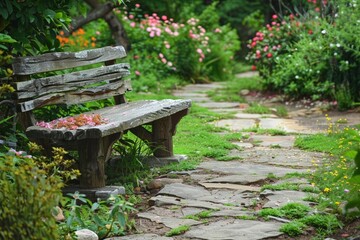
245, 145
220, 105
287, 125
290, 157
240, 188
231, 229
237, 179
235, 124
281, 198
147, 236
160, 201
247, 169
169, 222
281, 141
253, 116
184, 191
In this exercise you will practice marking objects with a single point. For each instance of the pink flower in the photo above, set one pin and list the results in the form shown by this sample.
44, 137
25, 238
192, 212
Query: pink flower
164, 18
200, 59
161, 55
169, 64
132, 24
136, 57
199, 50
269, 55
274, 16
131, 16
137, 5
217, 30
137, 73
164, 60
253, 68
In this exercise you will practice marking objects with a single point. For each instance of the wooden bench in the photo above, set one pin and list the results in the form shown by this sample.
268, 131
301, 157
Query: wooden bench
93, 143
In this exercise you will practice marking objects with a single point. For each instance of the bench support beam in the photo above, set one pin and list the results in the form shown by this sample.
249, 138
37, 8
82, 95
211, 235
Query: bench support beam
92, 156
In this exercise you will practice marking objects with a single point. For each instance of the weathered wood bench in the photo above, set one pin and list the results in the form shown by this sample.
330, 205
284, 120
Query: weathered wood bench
93, 143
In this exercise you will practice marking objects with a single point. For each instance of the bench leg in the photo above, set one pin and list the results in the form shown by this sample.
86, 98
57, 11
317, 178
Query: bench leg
162, 132
92, 156
162, 137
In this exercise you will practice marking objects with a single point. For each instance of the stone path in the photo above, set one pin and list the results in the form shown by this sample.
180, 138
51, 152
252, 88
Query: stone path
228, 193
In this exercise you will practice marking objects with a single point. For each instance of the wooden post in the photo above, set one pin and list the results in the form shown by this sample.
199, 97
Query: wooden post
93, 153
162, 137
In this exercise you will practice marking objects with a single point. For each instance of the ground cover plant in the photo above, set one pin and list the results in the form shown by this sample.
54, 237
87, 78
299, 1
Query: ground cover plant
337, 177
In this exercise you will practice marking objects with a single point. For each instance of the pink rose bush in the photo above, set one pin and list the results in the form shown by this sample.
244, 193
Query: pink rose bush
165, 47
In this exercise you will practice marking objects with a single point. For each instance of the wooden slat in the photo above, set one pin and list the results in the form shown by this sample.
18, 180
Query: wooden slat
121, 118
80, 96
63, 60
70, 81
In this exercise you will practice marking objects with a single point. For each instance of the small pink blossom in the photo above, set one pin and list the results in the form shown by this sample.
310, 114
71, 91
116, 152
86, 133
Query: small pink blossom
164, 18
137, 5
137, 73
131, 16
132, 24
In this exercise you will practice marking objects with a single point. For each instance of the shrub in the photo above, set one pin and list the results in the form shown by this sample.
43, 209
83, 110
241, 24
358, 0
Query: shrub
314, 54
189, 49
27, 199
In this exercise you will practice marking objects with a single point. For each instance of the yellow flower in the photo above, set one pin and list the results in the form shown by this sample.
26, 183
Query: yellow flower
337, 203
327, 190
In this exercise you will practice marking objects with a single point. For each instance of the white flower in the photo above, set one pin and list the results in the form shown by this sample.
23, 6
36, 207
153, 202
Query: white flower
331, 45
338, 45
297, 77
323, 31
335, 54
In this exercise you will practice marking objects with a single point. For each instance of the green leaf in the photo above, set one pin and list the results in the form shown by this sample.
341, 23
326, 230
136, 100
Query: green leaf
4, 38
357, 159
9, 6
4, 13
50, 13
99, 221
95, 206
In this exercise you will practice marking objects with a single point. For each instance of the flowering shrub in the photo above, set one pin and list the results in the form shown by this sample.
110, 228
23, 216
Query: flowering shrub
73, 123
163, 47
312, 55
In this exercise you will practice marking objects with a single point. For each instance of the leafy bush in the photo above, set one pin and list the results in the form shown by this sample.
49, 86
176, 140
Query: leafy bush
191, 49
105, 218
314, 54
27, 199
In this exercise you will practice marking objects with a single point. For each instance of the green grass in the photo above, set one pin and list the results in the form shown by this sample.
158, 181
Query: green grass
293, 229
263, 131
319, 143
177, 231
197, 139
256, 108
231, 90
289, 211
240, 67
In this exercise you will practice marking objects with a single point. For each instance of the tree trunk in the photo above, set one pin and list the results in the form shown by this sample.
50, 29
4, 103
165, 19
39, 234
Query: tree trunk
105, 11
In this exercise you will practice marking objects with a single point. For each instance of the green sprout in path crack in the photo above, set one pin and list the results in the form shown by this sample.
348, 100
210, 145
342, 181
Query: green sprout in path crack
202, 214
177, 231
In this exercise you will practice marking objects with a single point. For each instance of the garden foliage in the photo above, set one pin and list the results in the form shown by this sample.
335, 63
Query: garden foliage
197, 50
313, 54
27, 198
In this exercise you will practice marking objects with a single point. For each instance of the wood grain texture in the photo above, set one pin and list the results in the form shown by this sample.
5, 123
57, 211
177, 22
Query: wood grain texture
80, 96
70, 81
121, 118
63, 60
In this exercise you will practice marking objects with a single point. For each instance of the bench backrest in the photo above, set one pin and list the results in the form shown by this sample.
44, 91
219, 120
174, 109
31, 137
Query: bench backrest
70, 88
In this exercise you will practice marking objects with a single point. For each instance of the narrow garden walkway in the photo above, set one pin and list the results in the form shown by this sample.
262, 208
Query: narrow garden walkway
231, 190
